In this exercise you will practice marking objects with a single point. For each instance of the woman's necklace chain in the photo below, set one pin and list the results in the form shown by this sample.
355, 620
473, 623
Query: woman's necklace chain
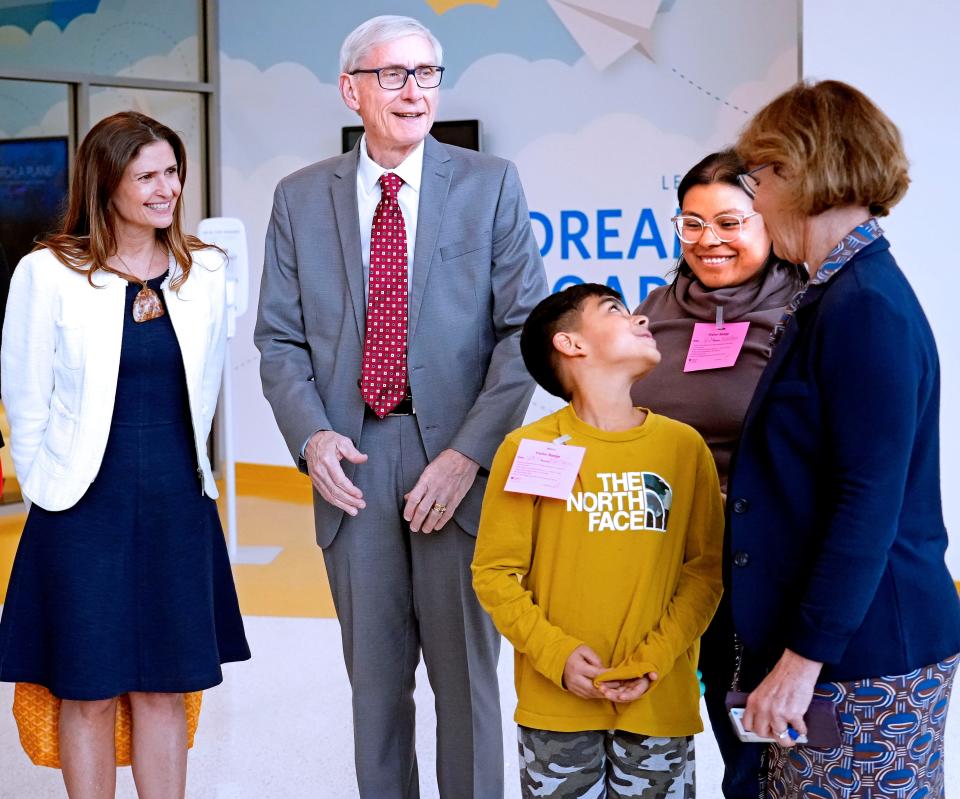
133, 274
147, 304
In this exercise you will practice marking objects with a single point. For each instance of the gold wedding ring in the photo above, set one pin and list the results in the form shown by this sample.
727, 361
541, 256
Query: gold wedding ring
441, 509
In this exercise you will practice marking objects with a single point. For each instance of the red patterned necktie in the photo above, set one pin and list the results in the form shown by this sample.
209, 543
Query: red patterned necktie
384, 380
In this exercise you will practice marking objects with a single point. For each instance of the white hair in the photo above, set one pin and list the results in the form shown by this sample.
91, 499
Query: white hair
379, 30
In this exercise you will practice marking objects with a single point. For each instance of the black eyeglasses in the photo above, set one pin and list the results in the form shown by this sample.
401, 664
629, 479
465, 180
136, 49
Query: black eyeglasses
748, 180
395, 78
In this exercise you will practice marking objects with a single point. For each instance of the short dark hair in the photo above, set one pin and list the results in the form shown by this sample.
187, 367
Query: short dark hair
556, 313
720, 167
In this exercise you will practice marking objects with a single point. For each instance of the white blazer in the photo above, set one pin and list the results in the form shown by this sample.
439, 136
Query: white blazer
61, 357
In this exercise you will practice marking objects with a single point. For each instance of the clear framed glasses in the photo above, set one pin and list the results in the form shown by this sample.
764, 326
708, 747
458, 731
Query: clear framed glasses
748, 180
726, 227
395, 78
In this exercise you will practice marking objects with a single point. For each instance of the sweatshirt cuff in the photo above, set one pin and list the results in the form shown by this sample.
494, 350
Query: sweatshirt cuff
557, 661
629, 670
644, 659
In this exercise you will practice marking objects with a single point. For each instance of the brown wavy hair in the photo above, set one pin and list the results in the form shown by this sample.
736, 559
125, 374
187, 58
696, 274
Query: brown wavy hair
833, 144
87, 238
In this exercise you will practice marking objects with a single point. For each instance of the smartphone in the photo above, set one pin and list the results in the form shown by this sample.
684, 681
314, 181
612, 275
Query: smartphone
736, 716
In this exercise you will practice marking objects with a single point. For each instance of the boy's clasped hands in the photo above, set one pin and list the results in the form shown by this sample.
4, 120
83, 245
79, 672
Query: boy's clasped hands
584, 666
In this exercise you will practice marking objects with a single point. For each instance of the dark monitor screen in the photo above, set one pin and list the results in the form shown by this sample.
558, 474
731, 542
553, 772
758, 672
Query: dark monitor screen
460, 132
33, 188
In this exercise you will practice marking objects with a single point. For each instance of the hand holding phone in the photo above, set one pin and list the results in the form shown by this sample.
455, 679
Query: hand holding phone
748, 736
823, 727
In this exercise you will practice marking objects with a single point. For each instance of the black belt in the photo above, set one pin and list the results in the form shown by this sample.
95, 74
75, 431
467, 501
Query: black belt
403, 408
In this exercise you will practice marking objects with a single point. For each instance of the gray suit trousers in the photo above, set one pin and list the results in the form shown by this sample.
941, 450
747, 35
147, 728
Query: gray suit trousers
397, 593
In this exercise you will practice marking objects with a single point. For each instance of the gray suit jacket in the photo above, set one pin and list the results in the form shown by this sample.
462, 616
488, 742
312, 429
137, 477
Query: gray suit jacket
477, 274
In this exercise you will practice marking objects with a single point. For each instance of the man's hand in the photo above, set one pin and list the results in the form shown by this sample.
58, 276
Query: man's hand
782, 699
444, 482
623, 691
323, 454
581, 668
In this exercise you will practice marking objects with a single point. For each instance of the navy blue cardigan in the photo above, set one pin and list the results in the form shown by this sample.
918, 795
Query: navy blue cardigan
835, 538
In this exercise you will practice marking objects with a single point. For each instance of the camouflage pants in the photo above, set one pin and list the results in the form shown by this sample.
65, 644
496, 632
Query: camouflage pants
601, 764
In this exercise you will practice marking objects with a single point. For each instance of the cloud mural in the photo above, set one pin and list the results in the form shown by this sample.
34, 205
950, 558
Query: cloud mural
599, 139
601, 228
27, 14
119, 34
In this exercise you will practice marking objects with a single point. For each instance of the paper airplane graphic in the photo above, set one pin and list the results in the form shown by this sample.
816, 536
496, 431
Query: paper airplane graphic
607, 29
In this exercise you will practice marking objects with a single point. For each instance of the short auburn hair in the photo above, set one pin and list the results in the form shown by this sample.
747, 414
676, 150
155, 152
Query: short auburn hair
835, 146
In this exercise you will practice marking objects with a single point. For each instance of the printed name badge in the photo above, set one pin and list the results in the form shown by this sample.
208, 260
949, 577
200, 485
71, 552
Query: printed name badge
544, 469
715, 347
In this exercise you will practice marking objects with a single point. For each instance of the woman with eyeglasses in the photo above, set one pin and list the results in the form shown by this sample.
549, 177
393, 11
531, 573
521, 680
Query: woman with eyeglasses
836, 541
727, 277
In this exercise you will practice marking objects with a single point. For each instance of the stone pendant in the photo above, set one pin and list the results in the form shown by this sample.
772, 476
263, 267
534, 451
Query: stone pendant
147, 305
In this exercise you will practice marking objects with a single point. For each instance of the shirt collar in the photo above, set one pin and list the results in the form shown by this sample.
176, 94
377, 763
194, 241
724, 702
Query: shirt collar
858, 238
861, 236
409, 170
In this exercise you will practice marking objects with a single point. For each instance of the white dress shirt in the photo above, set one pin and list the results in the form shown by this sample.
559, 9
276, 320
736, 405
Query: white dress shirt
368, 197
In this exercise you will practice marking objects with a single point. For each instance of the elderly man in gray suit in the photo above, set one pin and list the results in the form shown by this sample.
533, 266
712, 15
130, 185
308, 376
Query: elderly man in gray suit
396, 280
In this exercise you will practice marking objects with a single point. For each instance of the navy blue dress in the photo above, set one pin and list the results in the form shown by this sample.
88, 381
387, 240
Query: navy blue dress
131, 588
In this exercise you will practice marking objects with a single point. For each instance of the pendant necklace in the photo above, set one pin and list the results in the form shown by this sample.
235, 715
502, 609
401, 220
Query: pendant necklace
146, 305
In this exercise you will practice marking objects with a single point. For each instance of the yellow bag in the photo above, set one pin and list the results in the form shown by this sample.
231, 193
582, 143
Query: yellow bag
37, 712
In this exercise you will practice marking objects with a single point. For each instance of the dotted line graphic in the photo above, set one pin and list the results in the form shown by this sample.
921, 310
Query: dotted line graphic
245, 363
112, 33
700, 88
9, 100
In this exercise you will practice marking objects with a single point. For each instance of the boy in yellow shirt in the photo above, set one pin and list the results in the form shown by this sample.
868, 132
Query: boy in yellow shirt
604, 594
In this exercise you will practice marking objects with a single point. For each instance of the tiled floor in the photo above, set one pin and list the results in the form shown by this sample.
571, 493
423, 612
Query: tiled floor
279, 725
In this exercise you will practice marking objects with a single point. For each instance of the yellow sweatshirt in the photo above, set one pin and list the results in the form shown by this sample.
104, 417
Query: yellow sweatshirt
629, 564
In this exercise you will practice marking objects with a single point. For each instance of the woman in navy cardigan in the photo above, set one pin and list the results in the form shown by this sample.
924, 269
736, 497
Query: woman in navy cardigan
835, 540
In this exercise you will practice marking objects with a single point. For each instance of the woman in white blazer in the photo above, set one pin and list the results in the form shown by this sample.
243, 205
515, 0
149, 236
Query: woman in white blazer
112, 353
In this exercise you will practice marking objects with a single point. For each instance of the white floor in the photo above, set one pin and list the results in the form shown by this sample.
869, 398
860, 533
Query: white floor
279, 728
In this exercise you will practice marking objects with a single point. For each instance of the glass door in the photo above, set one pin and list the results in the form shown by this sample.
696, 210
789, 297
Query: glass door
35, 151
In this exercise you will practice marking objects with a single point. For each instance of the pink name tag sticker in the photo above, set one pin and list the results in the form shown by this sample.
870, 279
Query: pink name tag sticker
544, 469
713, 347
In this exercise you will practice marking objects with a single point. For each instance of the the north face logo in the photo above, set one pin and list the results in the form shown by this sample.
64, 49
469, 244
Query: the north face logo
628, 501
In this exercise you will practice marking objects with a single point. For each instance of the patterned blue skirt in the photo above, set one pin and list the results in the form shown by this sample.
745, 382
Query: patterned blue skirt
892, 731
